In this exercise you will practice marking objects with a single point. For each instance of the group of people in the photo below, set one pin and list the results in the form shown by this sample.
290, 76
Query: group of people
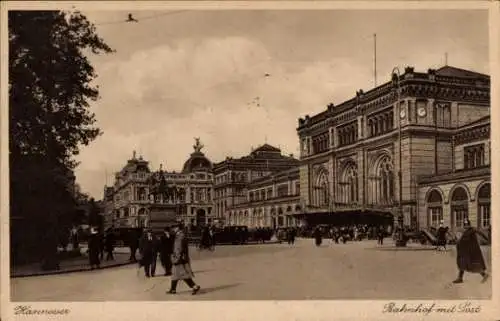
207, 240
173, 249
347, 233
99, 243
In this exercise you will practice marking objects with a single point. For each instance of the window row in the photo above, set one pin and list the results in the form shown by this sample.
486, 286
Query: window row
381, 123
348, 134
474, 156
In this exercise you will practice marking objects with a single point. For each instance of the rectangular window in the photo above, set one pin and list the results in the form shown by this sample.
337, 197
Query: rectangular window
269, 193
282, 190
474, 156
485, 216
435, 215
443, 115
460, 215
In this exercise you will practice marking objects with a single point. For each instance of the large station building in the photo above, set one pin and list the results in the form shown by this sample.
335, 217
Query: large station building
354, 157
438, 138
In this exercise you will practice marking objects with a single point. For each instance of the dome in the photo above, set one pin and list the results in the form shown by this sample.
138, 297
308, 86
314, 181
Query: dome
197, 161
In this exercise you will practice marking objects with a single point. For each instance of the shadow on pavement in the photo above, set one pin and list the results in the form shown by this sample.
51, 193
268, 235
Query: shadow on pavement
218, 288
407, 249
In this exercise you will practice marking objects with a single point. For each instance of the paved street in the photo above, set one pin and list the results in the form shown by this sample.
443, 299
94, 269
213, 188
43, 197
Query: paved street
360, 270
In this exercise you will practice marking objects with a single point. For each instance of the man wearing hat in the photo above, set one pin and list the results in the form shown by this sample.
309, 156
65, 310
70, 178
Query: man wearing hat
181, 269
148, 248
441, 236
94, 248
469, 255
166, 249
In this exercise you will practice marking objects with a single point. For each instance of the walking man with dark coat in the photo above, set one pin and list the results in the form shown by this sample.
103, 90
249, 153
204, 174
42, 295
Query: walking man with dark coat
380, 235
166, 250
469, 255
441, 236
148, 247
133, 243
318, 237
181, 269
94, 249
110, 245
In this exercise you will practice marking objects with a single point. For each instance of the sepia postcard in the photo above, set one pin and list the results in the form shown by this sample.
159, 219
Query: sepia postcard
249, 160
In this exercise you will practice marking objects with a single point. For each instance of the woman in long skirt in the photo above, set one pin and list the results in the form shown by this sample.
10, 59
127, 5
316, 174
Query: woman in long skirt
469, 255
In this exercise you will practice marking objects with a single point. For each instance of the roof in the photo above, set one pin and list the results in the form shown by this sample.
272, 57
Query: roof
481, 121
445, 71
450, 71
197, 162
267, 148
135, 165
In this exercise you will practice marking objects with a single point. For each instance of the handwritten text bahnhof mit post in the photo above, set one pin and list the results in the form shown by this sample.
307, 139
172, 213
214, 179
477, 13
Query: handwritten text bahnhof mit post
465, 307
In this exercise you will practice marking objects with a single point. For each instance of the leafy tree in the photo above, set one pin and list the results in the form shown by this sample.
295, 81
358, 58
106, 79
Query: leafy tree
49, 119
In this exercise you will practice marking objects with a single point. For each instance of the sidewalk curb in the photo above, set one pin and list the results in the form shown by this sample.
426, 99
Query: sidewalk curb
85, 269
27, 275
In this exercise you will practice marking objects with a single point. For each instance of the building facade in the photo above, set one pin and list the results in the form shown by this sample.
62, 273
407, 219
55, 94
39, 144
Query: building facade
233, 176
130, 199
464, 192
271, 201
354, 156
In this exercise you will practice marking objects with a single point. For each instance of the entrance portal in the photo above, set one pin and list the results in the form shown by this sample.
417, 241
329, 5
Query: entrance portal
201, 217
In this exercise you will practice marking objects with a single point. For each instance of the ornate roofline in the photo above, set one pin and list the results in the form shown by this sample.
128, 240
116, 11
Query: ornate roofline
425, 85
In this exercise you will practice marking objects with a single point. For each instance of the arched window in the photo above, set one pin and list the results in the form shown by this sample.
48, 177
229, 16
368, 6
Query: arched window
348, 185
381, 182
321, 190
459, 207
434, 208
484, 206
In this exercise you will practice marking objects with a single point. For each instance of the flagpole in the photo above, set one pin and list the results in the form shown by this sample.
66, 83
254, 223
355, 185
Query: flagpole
375, 58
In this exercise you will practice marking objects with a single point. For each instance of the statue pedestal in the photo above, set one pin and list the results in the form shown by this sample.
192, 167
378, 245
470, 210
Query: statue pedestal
162, 215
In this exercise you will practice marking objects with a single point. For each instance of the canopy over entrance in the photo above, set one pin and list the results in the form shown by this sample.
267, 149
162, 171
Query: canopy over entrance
371, 218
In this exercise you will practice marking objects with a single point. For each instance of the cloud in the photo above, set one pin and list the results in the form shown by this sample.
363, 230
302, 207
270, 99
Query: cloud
228, 91
156, 100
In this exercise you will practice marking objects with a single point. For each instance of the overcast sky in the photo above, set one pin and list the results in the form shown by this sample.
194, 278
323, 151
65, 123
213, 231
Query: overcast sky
197, 74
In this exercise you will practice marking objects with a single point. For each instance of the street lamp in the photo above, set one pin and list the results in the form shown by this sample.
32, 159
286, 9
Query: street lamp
396, 75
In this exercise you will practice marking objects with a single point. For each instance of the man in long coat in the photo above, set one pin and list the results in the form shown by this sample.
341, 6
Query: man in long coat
94, 244
318, 237
166, 249
181, 269
441, 236
149, 252
469, 255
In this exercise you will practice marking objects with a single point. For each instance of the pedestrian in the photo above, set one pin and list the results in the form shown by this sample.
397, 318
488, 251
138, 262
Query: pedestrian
293, 234
148, 248
102, 245
94, 245
469, 255
212, 238
181, 269
441, 236
166, 249
380, 235
318, 238
133, 243
110, 245
205, 239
